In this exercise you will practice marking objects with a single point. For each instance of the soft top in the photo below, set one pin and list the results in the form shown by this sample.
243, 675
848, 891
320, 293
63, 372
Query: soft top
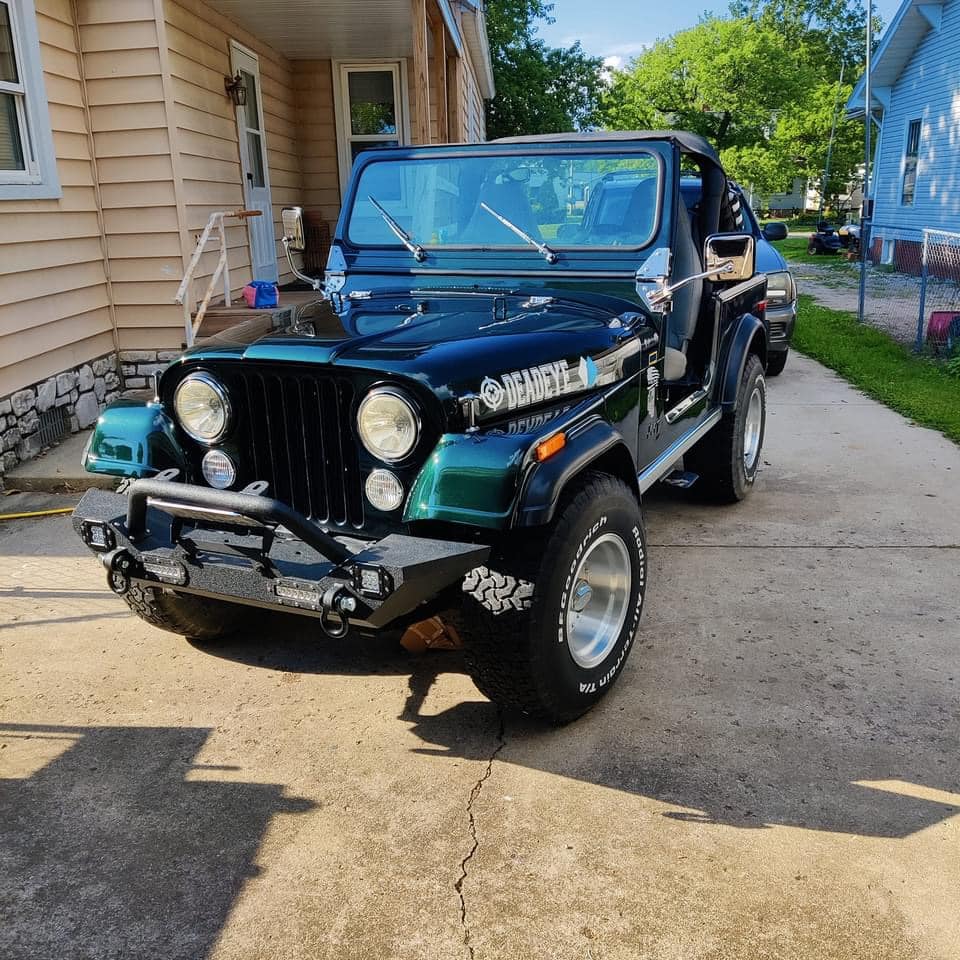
688, 142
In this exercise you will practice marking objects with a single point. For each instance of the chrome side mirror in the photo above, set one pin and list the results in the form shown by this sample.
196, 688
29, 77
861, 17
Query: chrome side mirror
729, 257
294, 241
294, 236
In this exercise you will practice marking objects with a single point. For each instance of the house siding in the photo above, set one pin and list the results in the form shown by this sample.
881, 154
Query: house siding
54, 299
317, 139
473, 123
928, 89
120, 45
204, 134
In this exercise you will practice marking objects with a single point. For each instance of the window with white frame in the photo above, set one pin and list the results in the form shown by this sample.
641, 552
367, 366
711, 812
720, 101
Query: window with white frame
370, 107
27, 161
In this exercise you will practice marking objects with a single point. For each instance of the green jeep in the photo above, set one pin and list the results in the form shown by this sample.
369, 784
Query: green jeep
519, 339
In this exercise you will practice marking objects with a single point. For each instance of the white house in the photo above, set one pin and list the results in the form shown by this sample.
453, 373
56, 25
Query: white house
916, 103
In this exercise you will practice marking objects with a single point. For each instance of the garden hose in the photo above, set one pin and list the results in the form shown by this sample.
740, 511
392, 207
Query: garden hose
35, 513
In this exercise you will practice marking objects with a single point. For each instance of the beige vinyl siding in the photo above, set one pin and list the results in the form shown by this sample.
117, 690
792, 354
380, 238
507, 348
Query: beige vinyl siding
204, 131
473, 114
54, 311
128, 116
317, 139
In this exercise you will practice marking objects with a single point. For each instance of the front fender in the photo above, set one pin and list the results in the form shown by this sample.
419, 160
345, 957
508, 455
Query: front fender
750, 336
133, 439
469, 478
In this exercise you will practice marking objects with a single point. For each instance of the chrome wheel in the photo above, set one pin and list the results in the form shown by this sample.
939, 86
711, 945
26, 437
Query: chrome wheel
752, 427
598, 601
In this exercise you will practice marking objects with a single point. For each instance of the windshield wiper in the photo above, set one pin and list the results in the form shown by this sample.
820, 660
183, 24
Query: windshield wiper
543, 249
400, 233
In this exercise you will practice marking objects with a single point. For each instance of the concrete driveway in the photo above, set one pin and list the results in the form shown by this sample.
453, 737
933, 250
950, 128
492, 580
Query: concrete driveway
776, 775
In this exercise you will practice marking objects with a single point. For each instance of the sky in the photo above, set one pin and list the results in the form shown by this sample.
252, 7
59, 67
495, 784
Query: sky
618, 30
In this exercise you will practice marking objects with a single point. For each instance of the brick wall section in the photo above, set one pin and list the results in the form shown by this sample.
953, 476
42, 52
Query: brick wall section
83, 390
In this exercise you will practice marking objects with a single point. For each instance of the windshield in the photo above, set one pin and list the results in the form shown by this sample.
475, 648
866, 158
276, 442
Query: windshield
555, 202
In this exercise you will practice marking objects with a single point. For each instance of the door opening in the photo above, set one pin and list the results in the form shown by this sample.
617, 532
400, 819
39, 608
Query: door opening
254, 169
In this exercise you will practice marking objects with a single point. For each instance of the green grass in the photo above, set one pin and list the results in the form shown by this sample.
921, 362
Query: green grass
918, 388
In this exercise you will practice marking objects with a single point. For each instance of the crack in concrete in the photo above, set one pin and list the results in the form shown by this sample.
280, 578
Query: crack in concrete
475, 792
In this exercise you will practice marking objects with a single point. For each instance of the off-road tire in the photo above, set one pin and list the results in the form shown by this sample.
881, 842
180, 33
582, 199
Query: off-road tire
776, 362
513, 617
197, 618
718, 457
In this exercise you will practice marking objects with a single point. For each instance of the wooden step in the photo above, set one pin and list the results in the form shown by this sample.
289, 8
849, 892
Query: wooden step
243, 322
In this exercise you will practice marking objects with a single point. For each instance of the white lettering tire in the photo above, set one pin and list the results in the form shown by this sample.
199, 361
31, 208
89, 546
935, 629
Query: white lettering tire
549, 623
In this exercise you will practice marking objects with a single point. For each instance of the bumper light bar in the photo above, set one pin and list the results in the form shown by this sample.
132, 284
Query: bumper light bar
164, 569
297, 593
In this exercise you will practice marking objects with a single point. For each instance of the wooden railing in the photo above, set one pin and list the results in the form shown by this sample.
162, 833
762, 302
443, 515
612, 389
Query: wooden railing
191, 324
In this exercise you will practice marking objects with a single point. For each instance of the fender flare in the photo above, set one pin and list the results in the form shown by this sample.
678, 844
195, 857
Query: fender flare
546, 481
133, 439
750, 331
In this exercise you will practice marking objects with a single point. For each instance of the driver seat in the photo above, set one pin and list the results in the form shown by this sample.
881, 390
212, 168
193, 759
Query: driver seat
509, 199
682, 321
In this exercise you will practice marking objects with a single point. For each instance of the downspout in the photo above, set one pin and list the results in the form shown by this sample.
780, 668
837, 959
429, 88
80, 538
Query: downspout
101, 226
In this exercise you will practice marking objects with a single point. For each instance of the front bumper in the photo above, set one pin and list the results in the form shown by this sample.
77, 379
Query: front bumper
249, 549
782, 320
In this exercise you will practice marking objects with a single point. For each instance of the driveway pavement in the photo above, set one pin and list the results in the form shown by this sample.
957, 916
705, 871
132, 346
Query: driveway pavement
776, 775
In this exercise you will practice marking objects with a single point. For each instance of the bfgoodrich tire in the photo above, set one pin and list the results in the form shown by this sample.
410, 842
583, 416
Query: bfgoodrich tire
776, 362
728, 457
197, 618
549, 624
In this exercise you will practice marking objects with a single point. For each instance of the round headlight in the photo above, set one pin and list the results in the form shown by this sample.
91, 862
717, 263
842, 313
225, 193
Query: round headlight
202, 407
388, 424
384, 490
218, 469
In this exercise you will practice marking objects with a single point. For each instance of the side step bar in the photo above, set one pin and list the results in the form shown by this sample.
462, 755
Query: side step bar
664, 463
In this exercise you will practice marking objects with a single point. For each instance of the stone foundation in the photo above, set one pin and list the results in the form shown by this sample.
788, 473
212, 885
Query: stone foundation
140, 366
84, 391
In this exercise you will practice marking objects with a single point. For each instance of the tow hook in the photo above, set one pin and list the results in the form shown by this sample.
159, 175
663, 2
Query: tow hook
336, 604
119, 566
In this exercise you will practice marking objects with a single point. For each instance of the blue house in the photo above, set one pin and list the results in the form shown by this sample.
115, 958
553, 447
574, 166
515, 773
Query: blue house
916, 103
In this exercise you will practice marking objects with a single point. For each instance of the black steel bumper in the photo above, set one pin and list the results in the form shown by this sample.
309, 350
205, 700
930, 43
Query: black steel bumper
251, 549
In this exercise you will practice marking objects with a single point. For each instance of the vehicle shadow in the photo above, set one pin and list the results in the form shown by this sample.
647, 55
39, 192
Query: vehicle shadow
109, 850
746, 751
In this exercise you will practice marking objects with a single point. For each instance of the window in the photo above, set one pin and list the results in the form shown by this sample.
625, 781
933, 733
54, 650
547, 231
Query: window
27, 162
910, 164
370, 110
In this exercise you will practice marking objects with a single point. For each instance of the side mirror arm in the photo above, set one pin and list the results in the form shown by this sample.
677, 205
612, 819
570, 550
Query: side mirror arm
664, 292
315, 284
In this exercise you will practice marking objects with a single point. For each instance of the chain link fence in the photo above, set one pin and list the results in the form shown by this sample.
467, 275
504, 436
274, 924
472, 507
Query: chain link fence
912, 288
938, 316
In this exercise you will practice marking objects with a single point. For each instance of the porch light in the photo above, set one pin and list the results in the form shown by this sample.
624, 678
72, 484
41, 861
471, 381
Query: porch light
236, 89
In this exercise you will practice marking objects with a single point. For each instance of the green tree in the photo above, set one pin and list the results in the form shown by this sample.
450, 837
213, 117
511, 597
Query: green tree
804, 132
724, 79
833, 31
540, 89
765, 97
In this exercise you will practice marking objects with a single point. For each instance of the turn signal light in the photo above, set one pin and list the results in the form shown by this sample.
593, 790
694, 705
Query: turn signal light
547, 448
